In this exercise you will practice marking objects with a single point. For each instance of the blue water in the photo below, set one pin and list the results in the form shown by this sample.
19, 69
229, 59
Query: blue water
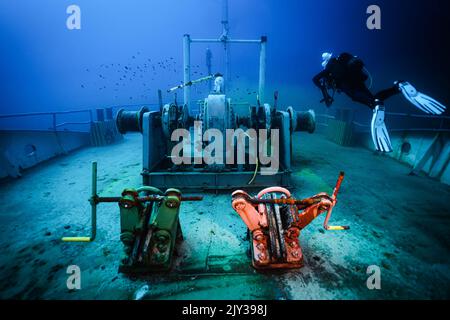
46, 67
127, 50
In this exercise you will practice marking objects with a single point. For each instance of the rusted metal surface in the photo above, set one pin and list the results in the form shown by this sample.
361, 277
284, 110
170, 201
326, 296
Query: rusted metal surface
146, 199
275, 223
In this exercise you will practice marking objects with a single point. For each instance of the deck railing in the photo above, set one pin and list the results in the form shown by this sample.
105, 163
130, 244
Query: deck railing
53, 116
57, 123
321, 119
444, 122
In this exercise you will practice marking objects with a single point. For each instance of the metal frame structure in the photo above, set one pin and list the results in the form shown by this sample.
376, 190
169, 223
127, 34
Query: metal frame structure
155, 150
225, 40
55, 124
156, 127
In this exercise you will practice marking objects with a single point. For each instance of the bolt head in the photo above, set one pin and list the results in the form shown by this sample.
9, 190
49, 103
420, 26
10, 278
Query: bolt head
162, 247
240, 206
259, 237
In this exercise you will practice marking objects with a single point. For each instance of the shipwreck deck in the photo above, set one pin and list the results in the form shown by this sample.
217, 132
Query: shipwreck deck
398, 222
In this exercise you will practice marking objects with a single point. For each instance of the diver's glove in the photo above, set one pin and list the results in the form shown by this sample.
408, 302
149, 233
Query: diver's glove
420, 100
380, 136
328, 100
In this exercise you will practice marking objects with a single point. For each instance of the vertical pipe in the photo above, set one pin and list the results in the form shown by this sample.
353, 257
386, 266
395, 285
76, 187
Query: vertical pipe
226, 75
160, 101
262, 69
93, 203
208, 66
224, 37
225, 16
187, 69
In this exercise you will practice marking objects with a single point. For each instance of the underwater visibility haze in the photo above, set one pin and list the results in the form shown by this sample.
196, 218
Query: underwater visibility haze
87, 113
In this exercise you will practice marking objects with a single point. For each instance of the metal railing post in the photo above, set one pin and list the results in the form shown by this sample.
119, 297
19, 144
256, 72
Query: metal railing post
54, 122
187, 69
262, 69
93, 202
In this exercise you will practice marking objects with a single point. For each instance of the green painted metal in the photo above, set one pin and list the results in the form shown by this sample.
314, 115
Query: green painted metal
149, 225
165, 225
149, 231
131, 220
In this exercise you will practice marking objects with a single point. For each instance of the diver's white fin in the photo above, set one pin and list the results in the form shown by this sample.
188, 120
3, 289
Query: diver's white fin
380, 135
420, 100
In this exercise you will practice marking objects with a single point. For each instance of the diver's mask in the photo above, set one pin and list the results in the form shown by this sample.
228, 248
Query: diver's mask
326, 56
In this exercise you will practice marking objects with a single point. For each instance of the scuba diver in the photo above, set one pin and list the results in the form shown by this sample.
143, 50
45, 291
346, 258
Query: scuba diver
346, 73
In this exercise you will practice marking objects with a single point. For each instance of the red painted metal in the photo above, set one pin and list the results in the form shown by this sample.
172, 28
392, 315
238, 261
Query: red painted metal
255, 214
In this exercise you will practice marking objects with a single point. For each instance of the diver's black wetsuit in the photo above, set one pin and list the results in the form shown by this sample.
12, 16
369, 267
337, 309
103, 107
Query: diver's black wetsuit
346, 74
